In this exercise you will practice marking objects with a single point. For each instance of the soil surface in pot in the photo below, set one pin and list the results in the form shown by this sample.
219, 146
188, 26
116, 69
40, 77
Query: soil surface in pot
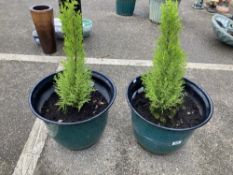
188, 114
51, 111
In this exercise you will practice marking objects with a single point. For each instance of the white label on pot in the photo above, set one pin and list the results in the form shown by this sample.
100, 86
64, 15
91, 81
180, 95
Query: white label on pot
176, 142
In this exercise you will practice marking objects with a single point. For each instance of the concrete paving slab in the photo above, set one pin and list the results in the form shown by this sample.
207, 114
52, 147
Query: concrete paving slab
114, 36
208, 152
16, 26
15, 118
134, 37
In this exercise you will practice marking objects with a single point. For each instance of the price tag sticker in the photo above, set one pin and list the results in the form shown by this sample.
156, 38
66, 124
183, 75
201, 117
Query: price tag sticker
176, 142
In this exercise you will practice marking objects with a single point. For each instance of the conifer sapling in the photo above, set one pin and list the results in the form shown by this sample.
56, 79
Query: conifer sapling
74, 84
164, 82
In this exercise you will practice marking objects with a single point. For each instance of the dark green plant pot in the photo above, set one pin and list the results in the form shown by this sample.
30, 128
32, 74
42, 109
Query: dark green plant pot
159, 139
125, 7
74, 135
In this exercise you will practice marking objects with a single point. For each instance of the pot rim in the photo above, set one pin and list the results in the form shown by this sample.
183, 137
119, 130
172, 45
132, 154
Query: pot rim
202, 91
32, 8
106, 79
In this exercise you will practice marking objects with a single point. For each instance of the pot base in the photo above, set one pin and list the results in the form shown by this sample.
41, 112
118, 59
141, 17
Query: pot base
157, 148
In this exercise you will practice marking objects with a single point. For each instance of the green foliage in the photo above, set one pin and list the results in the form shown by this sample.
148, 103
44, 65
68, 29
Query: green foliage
74, 84
164, 82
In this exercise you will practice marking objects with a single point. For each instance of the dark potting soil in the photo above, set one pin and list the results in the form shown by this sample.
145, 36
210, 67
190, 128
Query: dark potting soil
187, 115
51, 111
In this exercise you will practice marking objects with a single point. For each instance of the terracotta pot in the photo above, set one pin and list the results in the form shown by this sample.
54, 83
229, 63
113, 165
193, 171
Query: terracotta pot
222, 9
42, 16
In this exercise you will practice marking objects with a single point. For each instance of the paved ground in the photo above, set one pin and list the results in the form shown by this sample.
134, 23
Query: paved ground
208, 152
15, 118
114, 36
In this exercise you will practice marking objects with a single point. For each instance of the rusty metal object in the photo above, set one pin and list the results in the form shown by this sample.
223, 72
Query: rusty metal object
42, 16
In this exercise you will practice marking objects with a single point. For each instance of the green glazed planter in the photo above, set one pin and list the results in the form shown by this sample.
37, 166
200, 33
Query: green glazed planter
87, 27
125, 7
73, 135
159, 139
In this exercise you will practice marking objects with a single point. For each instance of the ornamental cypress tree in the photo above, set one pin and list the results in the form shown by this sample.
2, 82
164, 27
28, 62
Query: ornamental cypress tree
74, 84
164, 82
